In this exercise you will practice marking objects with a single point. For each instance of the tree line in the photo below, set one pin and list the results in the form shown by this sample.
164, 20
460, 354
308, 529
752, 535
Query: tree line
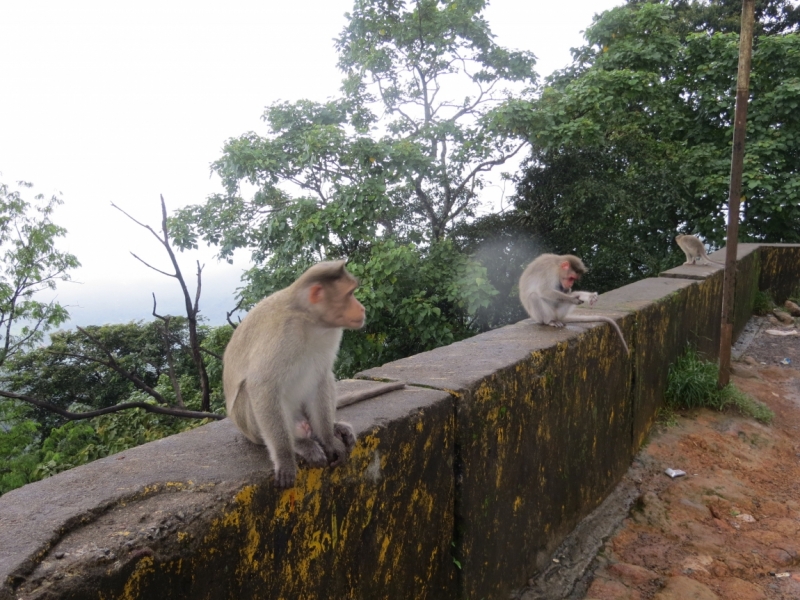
622, 149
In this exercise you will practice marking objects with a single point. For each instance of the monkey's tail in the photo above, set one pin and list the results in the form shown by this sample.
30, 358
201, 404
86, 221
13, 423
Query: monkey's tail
595, 319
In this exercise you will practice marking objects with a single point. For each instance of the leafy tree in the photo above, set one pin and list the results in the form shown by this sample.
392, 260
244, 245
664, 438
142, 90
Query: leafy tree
335, 179
631, 143
101, 368
31, 265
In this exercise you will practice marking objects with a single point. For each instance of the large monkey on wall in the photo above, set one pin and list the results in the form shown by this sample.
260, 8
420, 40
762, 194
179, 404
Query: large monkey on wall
278, 370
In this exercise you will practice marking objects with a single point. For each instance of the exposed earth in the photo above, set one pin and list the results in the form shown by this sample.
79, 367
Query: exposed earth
729, 528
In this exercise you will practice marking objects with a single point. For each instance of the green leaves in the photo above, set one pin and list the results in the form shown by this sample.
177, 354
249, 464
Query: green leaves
632, 143
31, 264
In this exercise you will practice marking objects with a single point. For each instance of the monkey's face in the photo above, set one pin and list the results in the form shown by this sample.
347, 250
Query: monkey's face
567, 276
336, 306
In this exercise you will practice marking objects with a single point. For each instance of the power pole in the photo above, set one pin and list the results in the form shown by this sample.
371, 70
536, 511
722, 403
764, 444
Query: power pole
737, 159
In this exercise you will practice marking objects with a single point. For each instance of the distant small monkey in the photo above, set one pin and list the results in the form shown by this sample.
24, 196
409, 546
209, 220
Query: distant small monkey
545, 290
694, 250
278, 370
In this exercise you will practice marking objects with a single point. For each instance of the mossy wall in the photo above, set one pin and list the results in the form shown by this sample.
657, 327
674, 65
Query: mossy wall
461, 485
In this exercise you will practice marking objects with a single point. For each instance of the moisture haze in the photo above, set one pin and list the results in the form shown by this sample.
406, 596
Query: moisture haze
108, 102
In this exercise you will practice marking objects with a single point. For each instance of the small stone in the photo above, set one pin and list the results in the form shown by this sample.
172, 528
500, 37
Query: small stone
683, 588
793, 309
783, 317
60, 555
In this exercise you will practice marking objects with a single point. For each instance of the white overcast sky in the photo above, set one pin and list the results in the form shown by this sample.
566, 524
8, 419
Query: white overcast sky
108, 101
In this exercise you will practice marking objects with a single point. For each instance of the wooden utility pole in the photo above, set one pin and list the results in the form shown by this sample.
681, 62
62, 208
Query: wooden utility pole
737, 159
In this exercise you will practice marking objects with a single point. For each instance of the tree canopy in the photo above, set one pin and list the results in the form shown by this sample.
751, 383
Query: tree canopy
31, 265
379, 175
632, 142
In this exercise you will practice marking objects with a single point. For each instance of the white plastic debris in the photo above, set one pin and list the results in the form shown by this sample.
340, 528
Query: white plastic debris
675, 473
786, 361
782, 332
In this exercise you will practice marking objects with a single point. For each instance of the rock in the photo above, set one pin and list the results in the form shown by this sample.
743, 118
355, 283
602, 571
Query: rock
609, 589
773, 321
632, 575
734, 588
793, 309
783, 317
743, 372
783, 557
684, 588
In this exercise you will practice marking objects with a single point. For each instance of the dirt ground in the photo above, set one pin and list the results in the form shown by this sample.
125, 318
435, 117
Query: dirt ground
730, 528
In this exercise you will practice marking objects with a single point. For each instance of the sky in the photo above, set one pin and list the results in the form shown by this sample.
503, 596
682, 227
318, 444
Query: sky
124, 101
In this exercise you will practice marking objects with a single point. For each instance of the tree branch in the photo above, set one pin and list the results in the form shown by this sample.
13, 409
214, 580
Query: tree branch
73, 416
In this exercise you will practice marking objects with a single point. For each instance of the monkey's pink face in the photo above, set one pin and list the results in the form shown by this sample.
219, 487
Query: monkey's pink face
567, 276
354, 313
337, 306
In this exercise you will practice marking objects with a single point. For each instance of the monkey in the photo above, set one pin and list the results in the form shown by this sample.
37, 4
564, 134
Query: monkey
278, 370
545, 291
694, 250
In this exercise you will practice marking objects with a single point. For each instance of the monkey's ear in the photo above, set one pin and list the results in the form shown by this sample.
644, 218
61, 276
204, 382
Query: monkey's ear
316, 293
565, 264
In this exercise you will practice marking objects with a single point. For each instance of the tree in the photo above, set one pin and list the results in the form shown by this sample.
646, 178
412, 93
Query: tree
31, 265
336, 180
100, 390
631, 143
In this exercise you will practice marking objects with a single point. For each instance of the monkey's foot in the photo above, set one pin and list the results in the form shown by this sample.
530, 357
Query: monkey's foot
344, 431
285, 477
556, 324
311, 452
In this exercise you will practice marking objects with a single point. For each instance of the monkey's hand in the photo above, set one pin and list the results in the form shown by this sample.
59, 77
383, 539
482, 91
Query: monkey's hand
344, 431
590, 297
556, 324
285, 476
337, 454
311, 452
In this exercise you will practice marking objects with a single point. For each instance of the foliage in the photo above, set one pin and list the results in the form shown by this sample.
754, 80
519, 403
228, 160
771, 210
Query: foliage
35, 443
31, 265
692, 383
762, 303
632, 142
335, 179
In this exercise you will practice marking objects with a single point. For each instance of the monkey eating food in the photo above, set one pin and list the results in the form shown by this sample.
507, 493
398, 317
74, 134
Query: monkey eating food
278, 370
545, 290
694, 250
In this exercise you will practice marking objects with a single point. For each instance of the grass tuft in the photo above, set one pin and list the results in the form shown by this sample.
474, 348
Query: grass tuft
692, 383
762, 303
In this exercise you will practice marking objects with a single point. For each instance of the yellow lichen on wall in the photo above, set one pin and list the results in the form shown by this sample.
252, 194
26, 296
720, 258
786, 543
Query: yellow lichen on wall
143, 570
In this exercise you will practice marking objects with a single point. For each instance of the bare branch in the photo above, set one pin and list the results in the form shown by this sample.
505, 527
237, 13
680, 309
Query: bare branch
166, 337
73, 416
146, 264
229, 314
113, 364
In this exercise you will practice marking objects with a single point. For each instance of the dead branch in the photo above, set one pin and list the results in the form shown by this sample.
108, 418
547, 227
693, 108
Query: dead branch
73, 416
192, 308
113, 364
166, 337
228, 315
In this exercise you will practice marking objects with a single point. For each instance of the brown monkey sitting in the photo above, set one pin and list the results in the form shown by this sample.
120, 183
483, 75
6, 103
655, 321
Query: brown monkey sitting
545, 291
278, 370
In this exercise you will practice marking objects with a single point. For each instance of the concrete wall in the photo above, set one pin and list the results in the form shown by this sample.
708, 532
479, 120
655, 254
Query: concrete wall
460, 485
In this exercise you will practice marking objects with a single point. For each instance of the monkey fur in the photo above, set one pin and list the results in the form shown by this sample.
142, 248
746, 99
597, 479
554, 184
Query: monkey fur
278, 370
545, 291
694, 250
